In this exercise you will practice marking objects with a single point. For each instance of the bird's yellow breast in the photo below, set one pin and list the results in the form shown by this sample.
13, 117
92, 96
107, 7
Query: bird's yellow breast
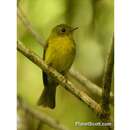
60, 53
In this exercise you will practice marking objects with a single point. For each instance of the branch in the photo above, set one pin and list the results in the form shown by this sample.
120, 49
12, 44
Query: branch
40, 115
107, 79
93, 88
80, 94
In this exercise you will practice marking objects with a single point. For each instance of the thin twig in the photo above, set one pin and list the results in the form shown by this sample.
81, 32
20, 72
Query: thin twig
107, 79
59, 78
93, 88
29, 27
41, 116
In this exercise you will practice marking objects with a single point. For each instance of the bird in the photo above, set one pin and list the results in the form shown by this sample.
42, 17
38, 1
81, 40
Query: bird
59, 53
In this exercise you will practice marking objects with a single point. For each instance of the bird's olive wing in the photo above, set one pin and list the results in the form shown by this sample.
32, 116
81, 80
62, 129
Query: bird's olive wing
44, 75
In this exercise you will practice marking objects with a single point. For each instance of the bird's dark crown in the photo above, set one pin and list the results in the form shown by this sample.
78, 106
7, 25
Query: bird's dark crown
62, 29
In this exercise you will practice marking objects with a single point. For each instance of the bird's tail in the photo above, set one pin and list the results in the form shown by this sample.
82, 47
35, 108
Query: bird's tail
47, 98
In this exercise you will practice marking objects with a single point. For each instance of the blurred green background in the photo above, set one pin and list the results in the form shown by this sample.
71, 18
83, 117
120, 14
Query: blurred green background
95, 19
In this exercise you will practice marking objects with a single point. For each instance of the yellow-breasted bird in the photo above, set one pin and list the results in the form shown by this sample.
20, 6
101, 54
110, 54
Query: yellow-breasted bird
59, 53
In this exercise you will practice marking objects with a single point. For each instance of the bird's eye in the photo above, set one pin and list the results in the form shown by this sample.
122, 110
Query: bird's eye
63, 30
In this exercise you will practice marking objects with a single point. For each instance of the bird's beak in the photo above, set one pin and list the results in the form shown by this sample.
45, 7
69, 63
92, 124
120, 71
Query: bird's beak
74, 29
